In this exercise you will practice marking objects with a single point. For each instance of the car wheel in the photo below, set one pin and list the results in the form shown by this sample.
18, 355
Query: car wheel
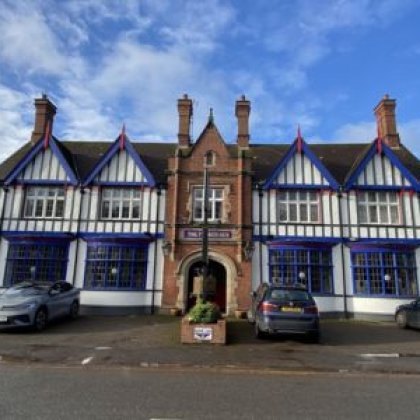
74, 310
258, 332
40, 321
401, 319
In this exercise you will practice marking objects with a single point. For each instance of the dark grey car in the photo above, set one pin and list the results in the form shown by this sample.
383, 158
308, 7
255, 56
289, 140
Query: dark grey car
35, 303
279, 309
408, 315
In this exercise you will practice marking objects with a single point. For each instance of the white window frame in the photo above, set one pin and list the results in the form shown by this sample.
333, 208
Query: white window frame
378, 208
216, 201
287, 200
44, 202
120, 200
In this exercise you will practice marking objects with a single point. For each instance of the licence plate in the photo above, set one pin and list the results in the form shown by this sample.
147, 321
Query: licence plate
3, 318
290, 309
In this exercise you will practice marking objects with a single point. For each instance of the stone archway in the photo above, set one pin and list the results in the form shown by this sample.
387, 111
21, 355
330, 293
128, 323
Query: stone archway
187, 264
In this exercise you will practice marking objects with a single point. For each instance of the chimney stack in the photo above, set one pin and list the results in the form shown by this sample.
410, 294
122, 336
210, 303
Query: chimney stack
242, 111
44, 112
385, 119
185, 112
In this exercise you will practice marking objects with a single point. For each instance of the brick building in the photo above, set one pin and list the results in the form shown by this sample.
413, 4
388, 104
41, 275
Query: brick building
123, 220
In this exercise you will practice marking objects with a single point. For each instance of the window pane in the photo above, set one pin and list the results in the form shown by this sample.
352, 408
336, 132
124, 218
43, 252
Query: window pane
29, 208
59, 208
49, 209
383, 211
105, 209
115, 209
292, 212
314, 213
373, 216
136, 210
282, 212
362, 214
38, 208
303, 212
372, 197
126, 209
394, 214
292, 195
303, 195
218, 210
392, 196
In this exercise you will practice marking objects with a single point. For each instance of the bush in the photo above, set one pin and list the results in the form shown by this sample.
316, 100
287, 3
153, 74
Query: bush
204, 313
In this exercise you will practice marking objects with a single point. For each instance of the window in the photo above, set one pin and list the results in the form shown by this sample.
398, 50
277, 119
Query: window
115, 267
312, 267
384, 273
120, 203
378, 207
298, 206
44, 202
210, 159
35, 262
215, 203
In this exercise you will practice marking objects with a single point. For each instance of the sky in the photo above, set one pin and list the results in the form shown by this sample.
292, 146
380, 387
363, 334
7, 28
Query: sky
320, 64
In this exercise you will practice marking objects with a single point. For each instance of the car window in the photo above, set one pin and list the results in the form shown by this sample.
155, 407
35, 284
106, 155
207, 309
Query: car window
288, 295
65, 287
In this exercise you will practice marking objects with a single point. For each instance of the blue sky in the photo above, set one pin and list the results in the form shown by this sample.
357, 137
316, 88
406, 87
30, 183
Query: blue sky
323, 64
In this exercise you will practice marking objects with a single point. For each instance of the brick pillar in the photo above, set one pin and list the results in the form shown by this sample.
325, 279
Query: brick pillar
185, 112
44, 112
385, 118
242, 111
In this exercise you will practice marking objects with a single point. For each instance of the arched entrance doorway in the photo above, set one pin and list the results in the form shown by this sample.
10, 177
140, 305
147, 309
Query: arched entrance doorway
217, 285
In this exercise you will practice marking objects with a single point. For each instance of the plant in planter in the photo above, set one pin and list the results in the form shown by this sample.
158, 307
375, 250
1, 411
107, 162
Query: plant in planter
204, 313
203, 323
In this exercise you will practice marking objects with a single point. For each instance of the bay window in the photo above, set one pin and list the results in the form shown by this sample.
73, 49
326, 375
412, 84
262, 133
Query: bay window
312, 267
384, 272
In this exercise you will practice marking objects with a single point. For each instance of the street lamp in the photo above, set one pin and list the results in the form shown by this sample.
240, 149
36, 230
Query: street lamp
302, 277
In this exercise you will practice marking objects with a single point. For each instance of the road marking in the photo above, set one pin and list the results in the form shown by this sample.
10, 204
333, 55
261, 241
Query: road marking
103, 348
87, 360
379, 355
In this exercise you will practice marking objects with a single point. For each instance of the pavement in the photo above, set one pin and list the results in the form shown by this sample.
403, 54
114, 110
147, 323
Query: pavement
153, 341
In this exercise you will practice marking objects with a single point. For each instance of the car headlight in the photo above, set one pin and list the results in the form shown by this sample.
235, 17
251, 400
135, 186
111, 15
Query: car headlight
22, 307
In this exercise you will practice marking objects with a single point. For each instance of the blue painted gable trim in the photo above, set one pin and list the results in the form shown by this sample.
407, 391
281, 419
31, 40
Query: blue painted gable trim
271, 182
387, 151
112, 151
33, 152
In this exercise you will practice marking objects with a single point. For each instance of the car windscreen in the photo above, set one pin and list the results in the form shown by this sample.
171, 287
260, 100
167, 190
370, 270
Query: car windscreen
27, 289
282, 295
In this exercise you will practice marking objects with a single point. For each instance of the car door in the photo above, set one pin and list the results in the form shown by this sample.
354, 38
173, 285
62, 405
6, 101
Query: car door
58, 297
415, 314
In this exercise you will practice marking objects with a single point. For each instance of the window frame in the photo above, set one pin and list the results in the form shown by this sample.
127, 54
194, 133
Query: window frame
298, 202
43, 198
295, 265
47, 257
117, 197
364, 206
213, 202
383, 267
109, 260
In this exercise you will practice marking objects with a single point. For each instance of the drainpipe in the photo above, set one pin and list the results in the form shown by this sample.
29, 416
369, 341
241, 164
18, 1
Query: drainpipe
340, 216
159, 192
82, 191
260, 197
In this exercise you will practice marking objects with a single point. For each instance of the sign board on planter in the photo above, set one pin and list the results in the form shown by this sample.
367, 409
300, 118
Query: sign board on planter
203, 333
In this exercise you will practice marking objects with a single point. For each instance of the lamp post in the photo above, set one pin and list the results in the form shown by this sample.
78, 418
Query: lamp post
205, 229
302, 277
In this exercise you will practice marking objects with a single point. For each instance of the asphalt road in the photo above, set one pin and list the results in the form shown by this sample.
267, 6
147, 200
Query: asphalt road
28, 392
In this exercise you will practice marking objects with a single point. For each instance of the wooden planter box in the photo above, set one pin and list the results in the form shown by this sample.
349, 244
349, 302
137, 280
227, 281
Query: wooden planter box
203, 333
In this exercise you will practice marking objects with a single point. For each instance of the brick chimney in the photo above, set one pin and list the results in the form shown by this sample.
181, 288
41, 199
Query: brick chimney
185, 112
44, 112
385, 119
242, 111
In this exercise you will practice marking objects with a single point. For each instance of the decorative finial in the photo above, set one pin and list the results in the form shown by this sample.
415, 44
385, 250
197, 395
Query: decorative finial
211, 117
299, 140
122, 137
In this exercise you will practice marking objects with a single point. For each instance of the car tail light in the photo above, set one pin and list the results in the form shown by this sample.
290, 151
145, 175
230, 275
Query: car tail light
311, 310
268, 307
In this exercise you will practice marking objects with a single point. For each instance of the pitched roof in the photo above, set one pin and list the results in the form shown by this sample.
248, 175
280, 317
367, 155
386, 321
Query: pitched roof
339, 159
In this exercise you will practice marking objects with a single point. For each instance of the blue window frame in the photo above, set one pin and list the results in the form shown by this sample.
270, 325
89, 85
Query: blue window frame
384, 272
115, 267
313, 267
35, 261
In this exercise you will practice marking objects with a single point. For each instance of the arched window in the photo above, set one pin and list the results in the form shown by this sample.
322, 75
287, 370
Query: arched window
210, 158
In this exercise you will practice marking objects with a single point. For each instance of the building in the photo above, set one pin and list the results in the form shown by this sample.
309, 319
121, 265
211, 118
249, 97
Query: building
123, 220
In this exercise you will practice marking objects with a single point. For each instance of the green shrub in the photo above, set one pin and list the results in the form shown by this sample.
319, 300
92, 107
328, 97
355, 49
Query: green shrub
204, 313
